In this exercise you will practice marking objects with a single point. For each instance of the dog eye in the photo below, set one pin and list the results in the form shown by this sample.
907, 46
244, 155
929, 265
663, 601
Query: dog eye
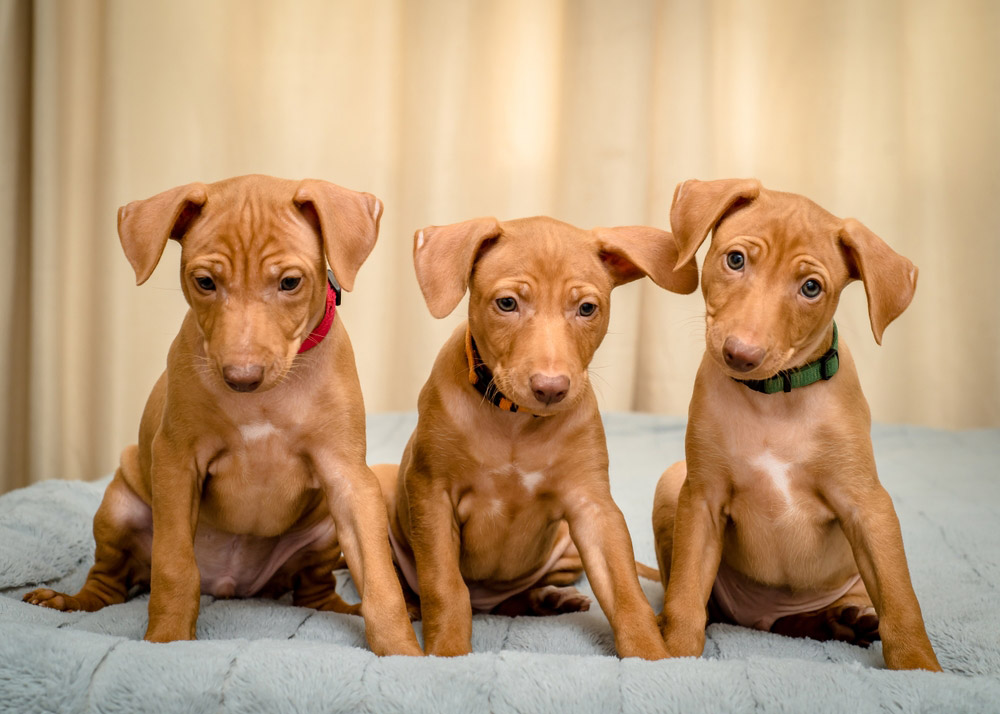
735, 260
205, 283
289, 284
587, 309
811, 289
507, 304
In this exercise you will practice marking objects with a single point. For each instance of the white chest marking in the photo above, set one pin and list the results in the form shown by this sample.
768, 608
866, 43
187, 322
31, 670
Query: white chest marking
531, 479
420, 240
257, 431
777, 471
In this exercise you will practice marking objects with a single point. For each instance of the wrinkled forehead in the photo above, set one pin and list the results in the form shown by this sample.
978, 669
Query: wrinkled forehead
541, 248
251, 214
785, 219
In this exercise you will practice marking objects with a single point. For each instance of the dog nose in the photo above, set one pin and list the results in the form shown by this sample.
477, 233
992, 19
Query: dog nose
549, 389
245, 378
740, 356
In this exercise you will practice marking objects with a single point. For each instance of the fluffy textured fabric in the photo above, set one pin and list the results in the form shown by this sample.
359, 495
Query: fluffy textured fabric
267, 656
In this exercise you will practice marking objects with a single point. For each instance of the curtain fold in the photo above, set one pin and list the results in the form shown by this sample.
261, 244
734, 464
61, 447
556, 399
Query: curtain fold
888, 111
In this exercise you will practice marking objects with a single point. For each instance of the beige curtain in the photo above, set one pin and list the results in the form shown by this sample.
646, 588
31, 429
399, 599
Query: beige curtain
590, 111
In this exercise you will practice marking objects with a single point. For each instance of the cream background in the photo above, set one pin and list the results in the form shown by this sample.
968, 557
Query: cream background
588, 111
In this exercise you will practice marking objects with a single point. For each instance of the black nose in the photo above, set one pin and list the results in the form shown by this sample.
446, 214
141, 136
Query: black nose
549, 389
245, 378
740, 356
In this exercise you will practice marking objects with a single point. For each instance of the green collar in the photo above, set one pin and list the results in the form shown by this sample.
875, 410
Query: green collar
787, 380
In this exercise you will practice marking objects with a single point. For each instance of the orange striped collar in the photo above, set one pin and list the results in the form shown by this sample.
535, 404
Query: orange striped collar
481, 378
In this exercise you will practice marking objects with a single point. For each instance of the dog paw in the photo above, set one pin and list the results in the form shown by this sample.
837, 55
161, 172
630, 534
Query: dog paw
857, 625
553, 600
413, 611
43, 597
334, 603
854, 624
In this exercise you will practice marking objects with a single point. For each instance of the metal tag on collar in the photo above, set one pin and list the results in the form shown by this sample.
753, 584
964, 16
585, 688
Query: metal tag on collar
333, 284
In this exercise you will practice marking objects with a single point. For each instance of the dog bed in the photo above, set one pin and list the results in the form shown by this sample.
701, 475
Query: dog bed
268, 656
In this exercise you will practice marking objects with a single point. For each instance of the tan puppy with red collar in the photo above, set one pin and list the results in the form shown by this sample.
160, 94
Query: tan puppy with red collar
502, 497
777, 520
249, 476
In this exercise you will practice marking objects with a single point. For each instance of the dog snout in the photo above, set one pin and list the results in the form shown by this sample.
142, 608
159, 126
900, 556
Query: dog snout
742, 357
549, 389
243, 378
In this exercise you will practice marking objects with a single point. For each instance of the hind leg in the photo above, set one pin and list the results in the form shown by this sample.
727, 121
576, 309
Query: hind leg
850, 619
554, 593
315, 586
123, 534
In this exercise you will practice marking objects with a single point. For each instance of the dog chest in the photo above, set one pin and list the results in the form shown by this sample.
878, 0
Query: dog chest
258, 465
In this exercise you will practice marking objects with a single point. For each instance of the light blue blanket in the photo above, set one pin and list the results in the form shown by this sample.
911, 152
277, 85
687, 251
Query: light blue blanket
267, 656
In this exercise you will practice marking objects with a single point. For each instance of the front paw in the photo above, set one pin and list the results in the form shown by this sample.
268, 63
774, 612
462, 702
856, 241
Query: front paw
683, 641
162, 634
910, 657
649, 646
448, 648
638, 636
162, 629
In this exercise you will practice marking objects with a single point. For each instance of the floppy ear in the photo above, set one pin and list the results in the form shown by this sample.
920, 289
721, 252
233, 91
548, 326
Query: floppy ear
699, 205
144, 226
443, 257
347, 222
890, 279
630, 252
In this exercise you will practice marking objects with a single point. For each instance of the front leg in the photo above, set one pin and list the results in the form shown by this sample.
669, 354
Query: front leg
694, 563
175, 581
601, 535
444, 597
355, 501
872, 529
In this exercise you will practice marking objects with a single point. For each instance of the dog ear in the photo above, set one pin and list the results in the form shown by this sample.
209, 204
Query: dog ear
630, 252
144, 226
890, 279
347, 222
699, 205
443, 257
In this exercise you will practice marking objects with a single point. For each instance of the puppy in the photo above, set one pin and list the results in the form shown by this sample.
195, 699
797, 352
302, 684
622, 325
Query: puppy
249, 476
502, 496
777, 519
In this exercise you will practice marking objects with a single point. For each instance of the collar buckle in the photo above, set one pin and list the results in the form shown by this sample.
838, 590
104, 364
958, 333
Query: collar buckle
333, 284
828, 359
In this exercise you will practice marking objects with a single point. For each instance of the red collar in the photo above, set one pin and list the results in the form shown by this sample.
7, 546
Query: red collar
317, 335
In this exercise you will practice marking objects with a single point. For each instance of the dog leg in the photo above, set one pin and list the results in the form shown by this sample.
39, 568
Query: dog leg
314, 584
668, 490
175, 581
444, 596
599, 531
694, 562
316, 587
359, 512
111, 576
872, 529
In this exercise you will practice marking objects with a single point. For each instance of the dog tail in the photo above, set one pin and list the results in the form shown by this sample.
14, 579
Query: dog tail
647, 572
